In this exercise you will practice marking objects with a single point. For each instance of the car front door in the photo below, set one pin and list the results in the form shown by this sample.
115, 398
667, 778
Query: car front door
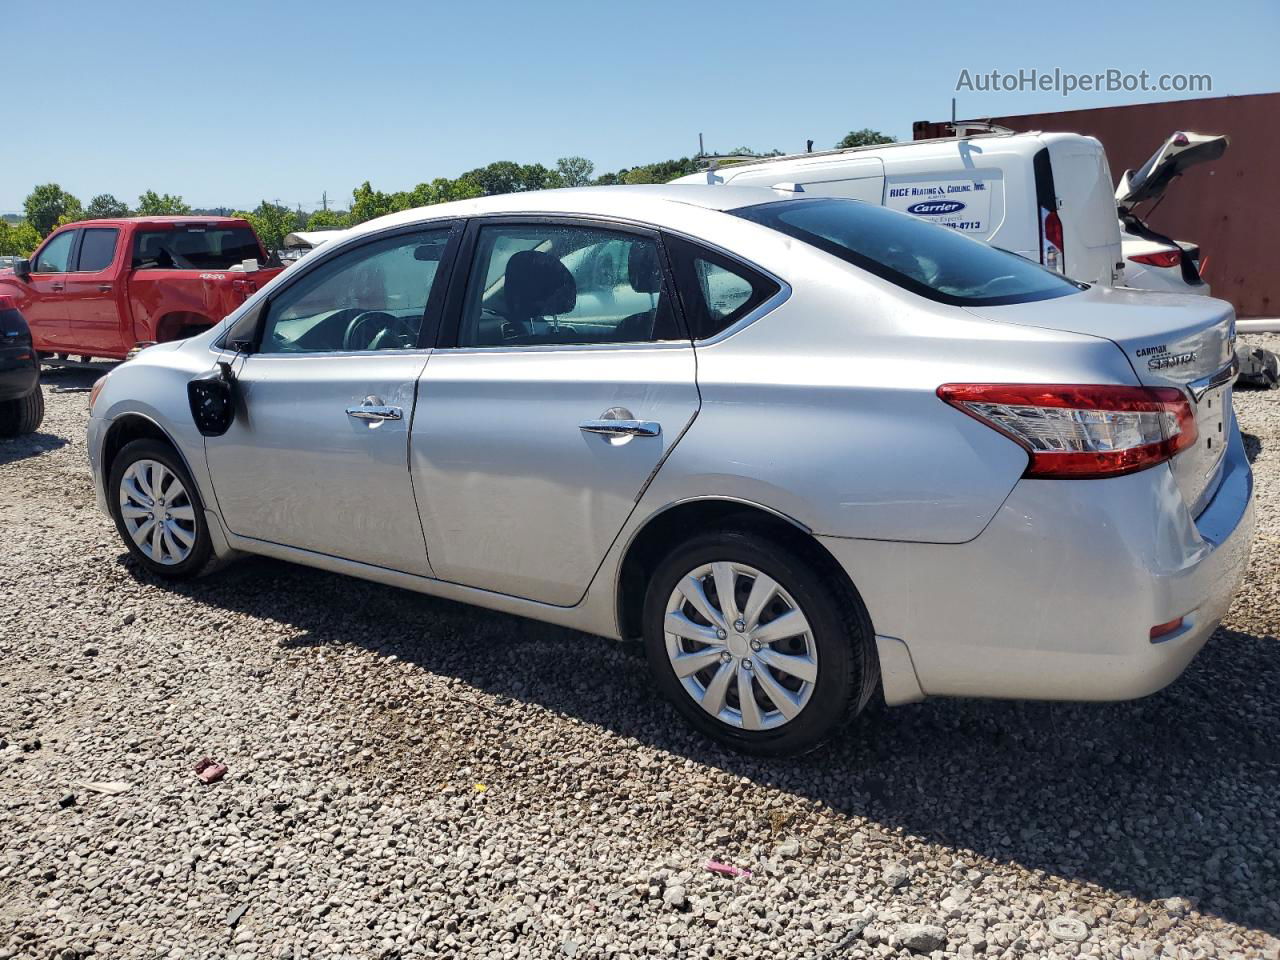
317, 457
93, 303
563, 378
46, 309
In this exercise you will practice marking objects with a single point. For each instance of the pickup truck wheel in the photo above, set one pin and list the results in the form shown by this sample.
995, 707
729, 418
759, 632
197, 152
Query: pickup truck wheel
755, 645
23, 415
157, 510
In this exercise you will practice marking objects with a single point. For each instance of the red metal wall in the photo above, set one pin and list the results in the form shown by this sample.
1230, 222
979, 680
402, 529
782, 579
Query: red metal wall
1231, 207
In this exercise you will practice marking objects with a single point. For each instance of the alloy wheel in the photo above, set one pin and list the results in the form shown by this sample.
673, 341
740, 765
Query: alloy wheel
740, 645
157, 512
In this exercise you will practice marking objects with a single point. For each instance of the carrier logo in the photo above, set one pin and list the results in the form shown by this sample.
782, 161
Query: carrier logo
935, 208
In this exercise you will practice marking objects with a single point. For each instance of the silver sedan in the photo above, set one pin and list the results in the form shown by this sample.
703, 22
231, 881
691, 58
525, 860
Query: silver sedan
812, 451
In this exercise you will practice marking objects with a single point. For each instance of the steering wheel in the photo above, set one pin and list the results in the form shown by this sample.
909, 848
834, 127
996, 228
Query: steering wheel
392, 326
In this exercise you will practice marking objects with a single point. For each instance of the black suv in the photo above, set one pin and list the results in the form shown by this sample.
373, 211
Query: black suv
21, 400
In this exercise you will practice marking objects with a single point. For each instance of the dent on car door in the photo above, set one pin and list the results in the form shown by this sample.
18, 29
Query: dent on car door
564, 378
317, 457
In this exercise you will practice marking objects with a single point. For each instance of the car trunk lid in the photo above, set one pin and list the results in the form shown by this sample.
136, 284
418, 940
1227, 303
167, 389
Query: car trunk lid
1170, 340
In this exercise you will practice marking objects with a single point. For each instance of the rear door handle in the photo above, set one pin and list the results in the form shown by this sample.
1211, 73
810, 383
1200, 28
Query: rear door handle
622, 428
372, 408
104, 288
56, 287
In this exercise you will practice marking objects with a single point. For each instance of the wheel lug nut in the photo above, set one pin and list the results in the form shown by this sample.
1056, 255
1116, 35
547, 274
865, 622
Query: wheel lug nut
739, 625
746, 664
721, 634
755, 644
725, 658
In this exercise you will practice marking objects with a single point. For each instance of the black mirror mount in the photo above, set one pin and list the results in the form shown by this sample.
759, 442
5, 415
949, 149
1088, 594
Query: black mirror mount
22, 268
212, 399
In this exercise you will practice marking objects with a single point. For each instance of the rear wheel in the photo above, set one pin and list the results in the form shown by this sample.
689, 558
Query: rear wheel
755, 645
157, 510
23, 415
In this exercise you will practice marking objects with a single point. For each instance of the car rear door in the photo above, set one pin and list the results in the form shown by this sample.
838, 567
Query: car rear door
563, 379
318, 455
93, 302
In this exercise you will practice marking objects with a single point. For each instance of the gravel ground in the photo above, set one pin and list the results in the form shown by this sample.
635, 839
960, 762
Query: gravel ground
410, 777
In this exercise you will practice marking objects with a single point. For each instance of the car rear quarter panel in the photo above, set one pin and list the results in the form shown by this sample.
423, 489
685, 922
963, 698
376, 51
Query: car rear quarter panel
826, 409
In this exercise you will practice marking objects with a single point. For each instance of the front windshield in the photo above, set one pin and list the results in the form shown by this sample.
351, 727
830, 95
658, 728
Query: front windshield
930, 260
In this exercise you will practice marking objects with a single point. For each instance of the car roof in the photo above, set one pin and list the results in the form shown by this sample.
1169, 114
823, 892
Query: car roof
648, 203
172, 220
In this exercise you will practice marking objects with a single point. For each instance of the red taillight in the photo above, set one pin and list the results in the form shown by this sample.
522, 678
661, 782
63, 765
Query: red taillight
1053, 229
1164, 629
1074, 431
1165, 258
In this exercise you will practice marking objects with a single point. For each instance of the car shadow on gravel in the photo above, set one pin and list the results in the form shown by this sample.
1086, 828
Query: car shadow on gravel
13, 449
1252, 446
1172, 795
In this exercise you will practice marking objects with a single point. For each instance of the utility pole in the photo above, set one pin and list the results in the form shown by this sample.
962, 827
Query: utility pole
324, 200
701, 150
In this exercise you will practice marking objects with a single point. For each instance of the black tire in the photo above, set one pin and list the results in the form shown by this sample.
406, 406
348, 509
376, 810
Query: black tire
202, 550
23, 415
848, 669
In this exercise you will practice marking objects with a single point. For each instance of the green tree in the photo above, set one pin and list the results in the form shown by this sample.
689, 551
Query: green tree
574, 171
325, 220
47, 204
504, 176
367, 203
104, 206
442, 190
18, 239
663, 171
152, 204
272, 223
866, 137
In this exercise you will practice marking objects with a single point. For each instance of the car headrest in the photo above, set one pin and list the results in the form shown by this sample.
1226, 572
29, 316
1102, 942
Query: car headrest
644, 269
538, 285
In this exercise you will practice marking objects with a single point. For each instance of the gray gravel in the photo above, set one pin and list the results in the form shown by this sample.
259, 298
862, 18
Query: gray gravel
410, 777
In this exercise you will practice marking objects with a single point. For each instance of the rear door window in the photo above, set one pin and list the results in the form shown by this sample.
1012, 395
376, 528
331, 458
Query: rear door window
97, 249
194, 248
932, 261
715, 290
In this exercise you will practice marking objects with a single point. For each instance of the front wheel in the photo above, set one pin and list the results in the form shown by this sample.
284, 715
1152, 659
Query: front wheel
157, 510
755, 645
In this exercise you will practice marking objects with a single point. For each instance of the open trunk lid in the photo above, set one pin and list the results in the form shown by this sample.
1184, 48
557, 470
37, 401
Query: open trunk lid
1180, 151
1170, 340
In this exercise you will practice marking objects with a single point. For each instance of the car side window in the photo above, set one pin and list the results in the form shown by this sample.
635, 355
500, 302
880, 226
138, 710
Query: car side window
373, 297
97, 249
550, 283
53, 258
717, 291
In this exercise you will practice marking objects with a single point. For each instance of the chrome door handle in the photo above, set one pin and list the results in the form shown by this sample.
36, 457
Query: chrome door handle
104, 288
621, 428
56, 287
372, 408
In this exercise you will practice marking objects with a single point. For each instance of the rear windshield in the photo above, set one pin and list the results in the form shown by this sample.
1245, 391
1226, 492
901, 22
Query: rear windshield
194, 248
925, 258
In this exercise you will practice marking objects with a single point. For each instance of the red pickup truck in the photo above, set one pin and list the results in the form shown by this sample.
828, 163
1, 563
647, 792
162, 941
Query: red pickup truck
102, 287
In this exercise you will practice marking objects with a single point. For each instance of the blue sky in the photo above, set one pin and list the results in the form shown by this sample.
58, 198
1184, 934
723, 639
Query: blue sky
233, 102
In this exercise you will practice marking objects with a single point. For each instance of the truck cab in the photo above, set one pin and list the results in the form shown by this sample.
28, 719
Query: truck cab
100, 288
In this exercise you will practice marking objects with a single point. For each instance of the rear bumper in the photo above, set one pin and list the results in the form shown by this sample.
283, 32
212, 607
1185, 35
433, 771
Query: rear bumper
1056, 598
